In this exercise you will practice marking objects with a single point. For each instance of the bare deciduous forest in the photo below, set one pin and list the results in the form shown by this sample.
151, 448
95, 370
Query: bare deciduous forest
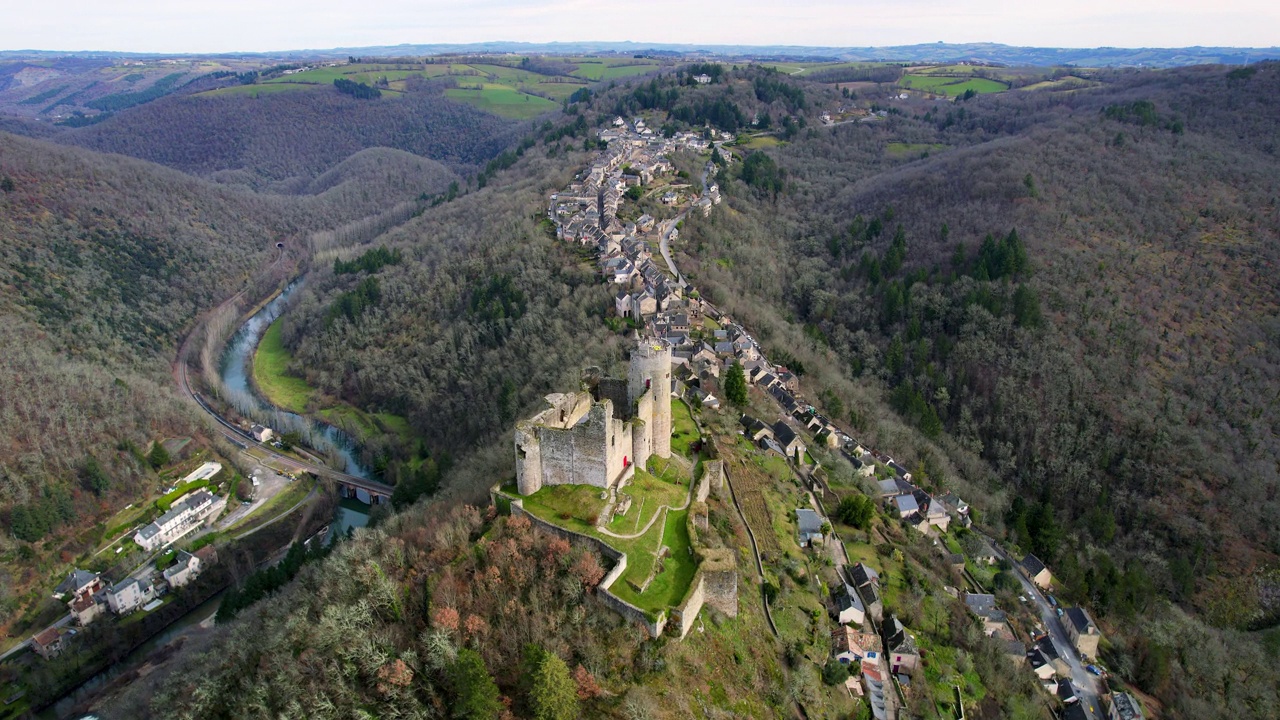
1061, 305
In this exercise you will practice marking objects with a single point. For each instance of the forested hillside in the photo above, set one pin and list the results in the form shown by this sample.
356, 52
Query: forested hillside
106, 261
1070, 299
104, 264
277, 137
485, 314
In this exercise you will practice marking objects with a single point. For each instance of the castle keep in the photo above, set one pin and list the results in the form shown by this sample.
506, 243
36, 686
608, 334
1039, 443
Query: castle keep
597, 435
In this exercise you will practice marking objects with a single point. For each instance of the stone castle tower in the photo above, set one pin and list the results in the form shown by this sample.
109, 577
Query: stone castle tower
651, 371
596, 437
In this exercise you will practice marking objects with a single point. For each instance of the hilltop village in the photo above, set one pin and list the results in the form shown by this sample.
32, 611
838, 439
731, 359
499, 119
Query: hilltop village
586, 463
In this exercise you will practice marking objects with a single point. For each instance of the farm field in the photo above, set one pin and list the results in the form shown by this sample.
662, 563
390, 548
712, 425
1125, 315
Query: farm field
756, 142
951, 86
1069, 82
749, 485
901, 150
507, 91
258, 90
502, 100
597, 69
801, 68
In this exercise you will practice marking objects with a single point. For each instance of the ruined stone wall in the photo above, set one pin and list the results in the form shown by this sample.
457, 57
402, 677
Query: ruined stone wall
615, 390
712, 479
585, 453
618, 454
528, 460
650, 371
716, 581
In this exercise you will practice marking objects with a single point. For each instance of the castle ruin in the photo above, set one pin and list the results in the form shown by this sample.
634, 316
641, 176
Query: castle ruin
597, 435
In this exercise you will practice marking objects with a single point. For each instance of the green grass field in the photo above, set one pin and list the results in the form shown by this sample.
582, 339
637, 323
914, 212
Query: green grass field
597, 69
951, 86
678, 567
901, 150
270, 372
258, 90
683, 430
502, 100
364, 425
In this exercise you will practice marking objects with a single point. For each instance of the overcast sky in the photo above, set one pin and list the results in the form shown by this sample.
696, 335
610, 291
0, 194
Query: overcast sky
263, 25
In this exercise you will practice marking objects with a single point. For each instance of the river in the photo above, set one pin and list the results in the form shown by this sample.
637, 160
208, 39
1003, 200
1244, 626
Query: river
323, 437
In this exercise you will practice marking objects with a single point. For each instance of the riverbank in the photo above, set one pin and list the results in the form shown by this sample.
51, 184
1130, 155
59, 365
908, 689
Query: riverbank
271, 372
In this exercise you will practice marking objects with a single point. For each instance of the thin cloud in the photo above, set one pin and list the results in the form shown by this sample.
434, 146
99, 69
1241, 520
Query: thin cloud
252, 25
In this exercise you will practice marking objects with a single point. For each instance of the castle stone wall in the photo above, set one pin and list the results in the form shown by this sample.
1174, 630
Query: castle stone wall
642, 430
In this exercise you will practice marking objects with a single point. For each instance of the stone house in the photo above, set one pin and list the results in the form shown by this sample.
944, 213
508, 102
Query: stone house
900, 648
866, 581
1036, 572
1083, 632
984, 606
260, 433
185, 568
792, 446
847, 607
849, 645
809, 527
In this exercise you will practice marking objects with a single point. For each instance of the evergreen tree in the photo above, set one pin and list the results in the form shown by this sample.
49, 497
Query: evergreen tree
474, 692
553, 694
158, 457
735, 384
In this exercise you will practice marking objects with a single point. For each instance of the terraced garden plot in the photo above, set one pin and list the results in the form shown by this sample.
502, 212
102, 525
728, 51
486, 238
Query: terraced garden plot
749, 484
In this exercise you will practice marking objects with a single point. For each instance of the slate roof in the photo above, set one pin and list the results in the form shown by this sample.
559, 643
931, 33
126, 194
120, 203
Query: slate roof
862, 574
1080, 619
810, 522
1032, 565
784, 433
905, 504
76, 579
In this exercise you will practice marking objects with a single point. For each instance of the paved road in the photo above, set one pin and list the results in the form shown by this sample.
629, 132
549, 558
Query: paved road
665, 244
1085, 682
665, 233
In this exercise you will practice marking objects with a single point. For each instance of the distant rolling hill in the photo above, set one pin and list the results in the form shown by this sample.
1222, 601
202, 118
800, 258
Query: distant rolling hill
296, 134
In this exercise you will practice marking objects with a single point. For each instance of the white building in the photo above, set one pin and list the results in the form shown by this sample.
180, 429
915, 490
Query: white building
186, 515
186, 567
130, 595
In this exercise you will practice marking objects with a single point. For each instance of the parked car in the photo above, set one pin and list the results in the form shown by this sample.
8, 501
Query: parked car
1093, 669
1059, 612
1053, 600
